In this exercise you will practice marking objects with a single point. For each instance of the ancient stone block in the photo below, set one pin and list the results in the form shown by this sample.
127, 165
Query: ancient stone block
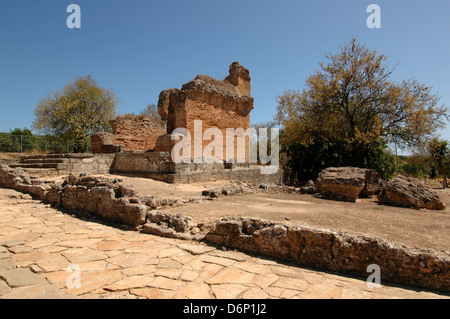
347, 183
342, 183
103, 142
410, 192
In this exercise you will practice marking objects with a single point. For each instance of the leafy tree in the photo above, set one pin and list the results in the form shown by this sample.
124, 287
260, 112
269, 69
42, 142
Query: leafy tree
352, 103
439, 151
309, 160
80, 109
20, 132
152, 111
23, 139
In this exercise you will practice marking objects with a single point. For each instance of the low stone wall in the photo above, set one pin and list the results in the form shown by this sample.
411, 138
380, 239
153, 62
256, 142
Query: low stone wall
157, 165
95, 164
109, 199
335, 251
105, 197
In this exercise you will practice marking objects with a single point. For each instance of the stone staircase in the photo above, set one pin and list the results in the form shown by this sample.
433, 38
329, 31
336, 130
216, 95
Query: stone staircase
48, 164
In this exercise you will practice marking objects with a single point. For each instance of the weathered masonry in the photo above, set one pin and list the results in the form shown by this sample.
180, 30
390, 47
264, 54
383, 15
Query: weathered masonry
219, 104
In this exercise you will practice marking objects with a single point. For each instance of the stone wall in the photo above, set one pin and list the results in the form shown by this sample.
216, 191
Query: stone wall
157, 165
94, 164
132, 133
335, 251
218, 104
137, 133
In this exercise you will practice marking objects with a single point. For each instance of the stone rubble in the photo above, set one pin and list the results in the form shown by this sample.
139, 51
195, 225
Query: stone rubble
410, 192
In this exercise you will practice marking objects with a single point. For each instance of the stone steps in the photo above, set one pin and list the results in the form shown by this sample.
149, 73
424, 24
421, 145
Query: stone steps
44, 160
40, 165
48, 164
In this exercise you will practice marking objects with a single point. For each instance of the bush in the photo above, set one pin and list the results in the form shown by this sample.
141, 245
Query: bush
309, 161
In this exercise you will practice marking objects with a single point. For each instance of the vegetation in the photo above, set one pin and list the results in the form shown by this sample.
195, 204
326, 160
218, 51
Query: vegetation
80, 109
350, 110
24, 141
439, 153
152, 111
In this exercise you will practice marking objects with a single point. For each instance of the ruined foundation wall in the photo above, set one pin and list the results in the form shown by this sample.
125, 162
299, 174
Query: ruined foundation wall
157, 165
335, 251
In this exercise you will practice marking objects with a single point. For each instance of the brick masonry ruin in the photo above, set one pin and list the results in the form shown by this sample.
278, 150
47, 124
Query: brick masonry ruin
218, 104
130, 133
143, 146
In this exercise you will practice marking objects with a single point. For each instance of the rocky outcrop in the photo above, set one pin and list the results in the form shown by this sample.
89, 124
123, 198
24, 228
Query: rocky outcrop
410, 192
347, 183
373, 183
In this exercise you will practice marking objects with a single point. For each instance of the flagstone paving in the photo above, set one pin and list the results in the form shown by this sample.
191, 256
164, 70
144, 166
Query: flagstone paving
45, 253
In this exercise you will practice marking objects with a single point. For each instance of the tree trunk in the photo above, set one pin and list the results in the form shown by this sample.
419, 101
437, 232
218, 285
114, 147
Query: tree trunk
443, 171
78, 146
445, 179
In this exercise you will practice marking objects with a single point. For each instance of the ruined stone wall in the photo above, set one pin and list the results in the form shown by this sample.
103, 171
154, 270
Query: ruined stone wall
335, 251
137, 133
131, 133
157, 165
108, 198
218, 104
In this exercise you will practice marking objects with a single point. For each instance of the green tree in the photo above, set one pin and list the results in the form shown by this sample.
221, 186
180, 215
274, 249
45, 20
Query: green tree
80, 109
439, 151
352, 102
24, 139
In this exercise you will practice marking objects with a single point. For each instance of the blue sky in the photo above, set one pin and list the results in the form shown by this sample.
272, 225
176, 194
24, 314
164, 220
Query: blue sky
139, 48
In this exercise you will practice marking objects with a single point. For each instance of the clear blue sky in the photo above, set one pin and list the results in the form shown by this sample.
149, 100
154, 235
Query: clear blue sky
138, 48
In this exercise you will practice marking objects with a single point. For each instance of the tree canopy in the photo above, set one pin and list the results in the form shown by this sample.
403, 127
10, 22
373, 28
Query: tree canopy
351, 101
81, 108
440, 153
152, 111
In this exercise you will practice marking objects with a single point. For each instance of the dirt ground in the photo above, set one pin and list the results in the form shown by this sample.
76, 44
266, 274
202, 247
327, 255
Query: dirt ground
413, 228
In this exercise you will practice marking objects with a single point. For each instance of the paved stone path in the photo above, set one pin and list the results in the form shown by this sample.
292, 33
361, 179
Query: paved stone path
48, 254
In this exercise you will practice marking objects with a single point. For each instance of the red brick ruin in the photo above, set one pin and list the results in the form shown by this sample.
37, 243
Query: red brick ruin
218, 104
